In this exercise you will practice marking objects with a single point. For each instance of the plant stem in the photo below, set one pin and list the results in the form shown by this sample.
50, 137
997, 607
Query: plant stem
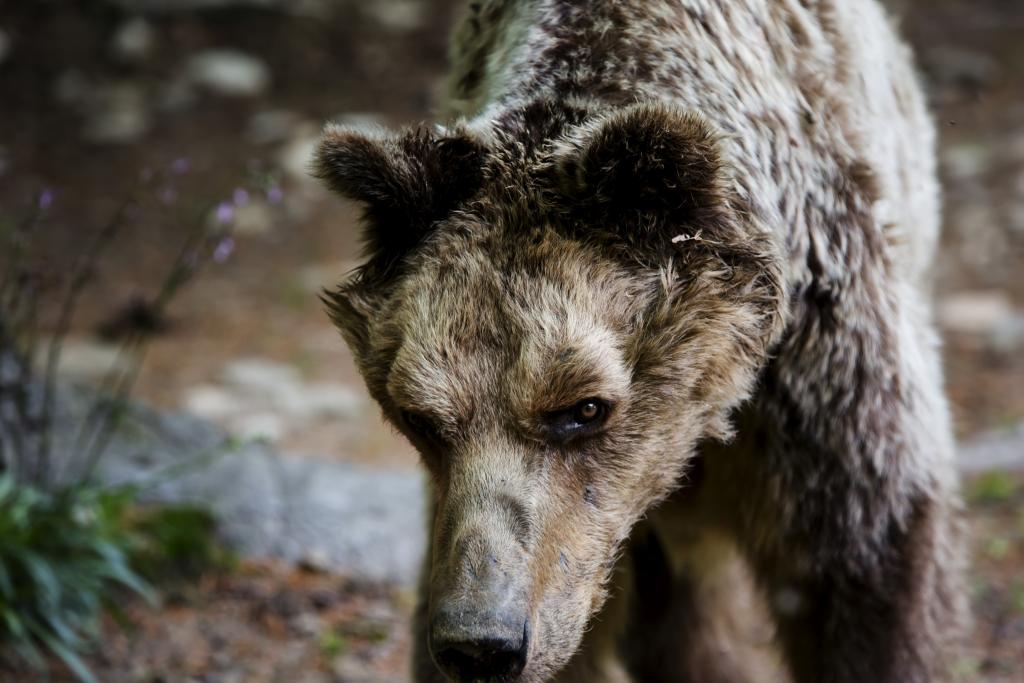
76, 285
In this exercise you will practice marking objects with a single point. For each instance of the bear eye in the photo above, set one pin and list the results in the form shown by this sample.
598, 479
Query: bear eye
590, 410
583, 419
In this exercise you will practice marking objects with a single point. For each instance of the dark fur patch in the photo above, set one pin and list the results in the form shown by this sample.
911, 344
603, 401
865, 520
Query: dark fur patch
640, 169
406, 182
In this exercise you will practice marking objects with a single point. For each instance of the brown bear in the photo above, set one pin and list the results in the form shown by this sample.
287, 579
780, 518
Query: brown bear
658, 288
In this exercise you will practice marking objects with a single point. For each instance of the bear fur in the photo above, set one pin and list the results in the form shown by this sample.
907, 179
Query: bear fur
709, 223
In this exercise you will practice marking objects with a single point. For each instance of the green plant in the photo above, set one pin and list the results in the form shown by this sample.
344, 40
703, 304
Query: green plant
67, 543
333, 644
177, 541
61, 555
993, 487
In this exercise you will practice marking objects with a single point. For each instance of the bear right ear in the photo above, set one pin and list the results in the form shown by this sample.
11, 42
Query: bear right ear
648, 170
406, 181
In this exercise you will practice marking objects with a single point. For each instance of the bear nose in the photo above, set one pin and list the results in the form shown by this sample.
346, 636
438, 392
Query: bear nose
496, 654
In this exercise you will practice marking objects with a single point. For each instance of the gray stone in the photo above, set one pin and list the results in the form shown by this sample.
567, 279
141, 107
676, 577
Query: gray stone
296, 157
977, 312
211, 402
260, 425
271, 126
229, 72
358, 521
177, 95
85, 360
134, 40
260, 375
71, 87
994, 450
1008, 336
351, 669
399, 16
118, 114
317, 400
966, 161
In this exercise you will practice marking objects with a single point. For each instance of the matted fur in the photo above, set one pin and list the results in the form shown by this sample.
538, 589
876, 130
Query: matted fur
717, 216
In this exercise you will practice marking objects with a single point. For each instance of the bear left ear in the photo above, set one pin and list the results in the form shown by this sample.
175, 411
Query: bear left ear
406, 181
649, 161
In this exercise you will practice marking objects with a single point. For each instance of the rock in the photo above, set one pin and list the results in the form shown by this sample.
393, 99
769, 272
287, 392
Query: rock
253, 218
134, 40
316, 560
966, 161
397, 15
258, 426
260, 375
296, 157
306, 624
5, 46
118, 114
994, 450
351, 669
84, 360
177, 95
309, 401
229, 72
979, 312
360, 521
71, 87
210, 402
1008, 336
271, 126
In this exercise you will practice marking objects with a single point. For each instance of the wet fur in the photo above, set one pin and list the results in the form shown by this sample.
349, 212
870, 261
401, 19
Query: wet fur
719, 215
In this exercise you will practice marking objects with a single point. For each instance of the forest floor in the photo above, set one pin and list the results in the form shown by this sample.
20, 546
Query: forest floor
181, 110
267, 622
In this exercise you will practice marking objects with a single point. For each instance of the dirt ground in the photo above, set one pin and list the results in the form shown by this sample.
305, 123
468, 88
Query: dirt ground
95, 111
267, 623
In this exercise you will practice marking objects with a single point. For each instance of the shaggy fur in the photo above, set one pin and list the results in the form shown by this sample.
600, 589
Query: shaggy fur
715, 216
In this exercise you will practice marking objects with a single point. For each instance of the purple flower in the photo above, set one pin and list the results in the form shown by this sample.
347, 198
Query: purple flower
225, 212
180, 166
275, 194
46, 198
223, 250
240, 196
168, 195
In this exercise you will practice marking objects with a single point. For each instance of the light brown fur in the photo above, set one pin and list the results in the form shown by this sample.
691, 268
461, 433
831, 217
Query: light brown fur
701, 214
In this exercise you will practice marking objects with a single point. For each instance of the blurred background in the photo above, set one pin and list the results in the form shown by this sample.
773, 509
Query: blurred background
143, 139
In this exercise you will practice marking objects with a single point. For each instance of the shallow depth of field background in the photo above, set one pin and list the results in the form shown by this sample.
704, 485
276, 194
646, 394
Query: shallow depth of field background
206, 112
